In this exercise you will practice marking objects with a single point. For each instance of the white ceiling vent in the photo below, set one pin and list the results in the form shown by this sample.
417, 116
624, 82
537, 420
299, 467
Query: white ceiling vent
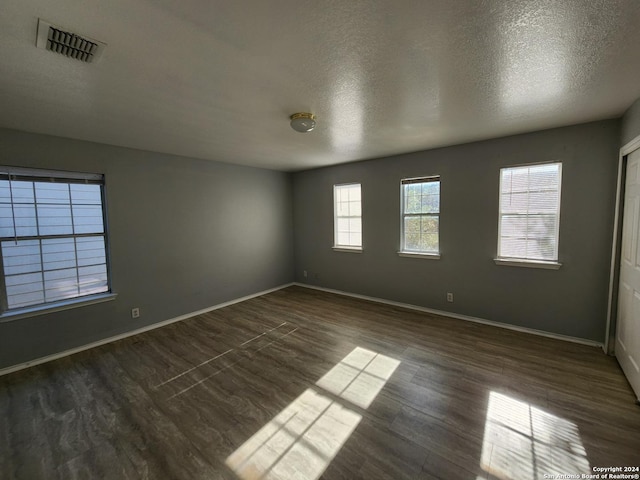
70, 44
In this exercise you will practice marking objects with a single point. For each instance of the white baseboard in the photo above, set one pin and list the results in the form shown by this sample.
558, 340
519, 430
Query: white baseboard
458, 316
55, 356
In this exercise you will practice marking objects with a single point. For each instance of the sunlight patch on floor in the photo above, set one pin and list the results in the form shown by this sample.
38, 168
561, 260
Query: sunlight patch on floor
359, 377
302, 440
524, 442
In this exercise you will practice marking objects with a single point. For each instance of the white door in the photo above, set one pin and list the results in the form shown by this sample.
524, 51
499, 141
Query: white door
628, 324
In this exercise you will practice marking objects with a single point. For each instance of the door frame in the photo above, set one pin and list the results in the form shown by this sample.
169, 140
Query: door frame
614, 276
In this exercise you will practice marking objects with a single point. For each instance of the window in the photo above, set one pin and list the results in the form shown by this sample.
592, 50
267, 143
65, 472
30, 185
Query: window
347, 217
420, 216
52, 237
529, 212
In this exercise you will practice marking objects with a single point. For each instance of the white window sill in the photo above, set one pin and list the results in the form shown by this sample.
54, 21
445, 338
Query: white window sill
347, 249
516, 262
426, 256
56, 306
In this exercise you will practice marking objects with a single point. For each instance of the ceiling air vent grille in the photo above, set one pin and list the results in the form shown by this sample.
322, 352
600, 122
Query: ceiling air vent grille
72, 45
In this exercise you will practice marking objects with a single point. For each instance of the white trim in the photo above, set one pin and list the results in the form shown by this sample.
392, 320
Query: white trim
531, 164
336, 246
630, 147
533, 331
56, 307
347, 249
55, 356
517, 262
426, 256
59, 174
431, 178
626, 149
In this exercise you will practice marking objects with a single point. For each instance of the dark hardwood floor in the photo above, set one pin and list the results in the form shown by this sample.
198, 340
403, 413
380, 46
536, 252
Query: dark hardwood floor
305, 384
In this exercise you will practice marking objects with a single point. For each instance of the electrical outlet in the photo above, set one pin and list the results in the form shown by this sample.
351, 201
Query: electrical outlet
304, 273
449, 297
135, 312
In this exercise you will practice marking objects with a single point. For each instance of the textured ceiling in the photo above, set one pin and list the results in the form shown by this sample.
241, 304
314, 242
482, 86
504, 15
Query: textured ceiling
218, 79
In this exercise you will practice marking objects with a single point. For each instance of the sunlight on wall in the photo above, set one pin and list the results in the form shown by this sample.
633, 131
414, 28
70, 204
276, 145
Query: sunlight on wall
301, 441
523, 442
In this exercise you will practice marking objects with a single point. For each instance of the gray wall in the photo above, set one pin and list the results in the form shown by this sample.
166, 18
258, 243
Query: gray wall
570, 301
630, 123
185, 234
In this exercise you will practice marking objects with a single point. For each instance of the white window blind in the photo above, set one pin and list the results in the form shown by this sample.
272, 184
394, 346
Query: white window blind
347, 216
530, 212
52, 237
420, 215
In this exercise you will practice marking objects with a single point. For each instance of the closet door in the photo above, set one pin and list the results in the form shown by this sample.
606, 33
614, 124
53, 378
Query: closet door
628, 322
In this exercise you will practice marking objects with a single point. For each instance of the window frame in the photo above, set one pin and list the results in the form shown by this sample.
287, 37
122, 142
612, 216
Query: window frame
403, 252
337, 246
59, 177
529, 262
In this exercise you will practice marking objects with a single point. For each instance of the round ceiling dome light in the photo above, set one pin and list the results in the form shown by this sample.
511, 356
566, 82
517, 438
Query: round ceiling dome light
303, 122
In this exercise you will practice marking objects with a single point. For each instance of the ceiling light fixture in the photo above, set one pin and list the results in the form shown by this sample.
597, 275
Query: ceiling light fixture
303, 122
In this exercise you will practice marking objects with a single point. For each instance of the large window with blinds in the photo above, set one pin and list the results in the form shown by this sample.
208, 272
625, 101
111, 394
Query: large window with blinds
420, 227
530, 212
52, 237
347, 203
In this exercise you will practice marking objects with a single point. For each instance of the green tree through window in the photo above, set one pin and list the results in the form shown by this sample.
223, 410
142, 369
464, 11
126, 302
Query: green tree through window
421, 215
